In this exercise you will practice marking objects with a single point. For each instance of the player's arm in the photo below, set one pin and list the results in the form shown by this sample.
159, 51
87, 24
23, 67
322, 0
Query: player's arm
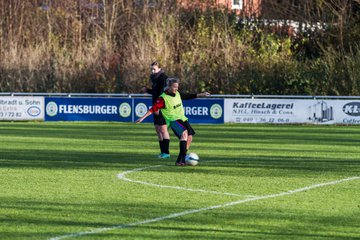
146, 90
203, 94
188, 96
148, 113
159, 104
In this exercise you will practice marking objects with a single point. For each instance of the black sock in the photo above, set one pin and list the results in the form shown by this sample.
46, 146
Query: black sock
161, 143
166, 143
182, 153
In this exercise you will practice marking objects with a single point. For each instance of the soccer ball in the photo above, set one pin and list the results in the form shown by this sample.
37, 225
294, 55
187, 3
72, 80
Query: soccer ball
192, 159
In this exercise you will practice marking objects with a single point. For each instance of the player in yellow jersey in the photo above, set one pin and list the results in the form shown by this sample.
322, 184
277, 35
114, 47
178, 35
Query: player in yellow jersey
170, 103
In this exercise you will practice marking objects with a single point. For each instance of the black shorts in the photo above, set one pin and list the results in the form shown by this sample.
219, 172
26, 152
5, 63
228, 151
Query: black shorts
159, 119
180, 126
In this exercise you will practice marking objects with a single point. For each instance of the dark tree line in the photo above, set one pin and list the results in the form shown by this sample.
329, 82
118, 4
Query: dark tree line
292, 47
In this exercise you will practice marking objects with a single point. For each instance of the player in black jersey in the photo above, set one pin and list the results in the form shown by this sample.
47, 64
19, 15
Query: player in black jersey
158, 83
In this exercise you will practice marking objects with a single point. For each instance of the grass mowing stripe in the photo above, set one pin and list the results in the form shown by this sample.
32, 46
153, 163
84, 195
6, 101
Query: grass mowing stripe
60, 178
180, 214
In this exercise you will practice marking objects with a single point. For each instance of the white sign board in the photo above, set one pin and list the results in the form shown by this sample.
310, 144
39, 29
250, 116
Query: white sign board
292, 111
21, 108
339, 111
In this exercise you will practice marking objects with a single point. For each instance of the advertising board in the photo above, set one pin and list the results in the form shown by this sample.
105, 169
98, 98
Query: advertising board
21, 108
88, 109
292, 111
197, 110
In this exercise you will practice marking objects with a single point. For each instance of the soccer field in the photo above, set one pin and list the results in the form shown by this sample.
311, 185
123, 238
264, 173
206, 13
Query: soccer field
103, 181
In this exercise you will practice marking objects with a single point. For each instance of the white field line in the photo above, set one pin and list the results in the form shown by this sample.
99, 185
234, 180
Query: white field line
175, 215
123, 177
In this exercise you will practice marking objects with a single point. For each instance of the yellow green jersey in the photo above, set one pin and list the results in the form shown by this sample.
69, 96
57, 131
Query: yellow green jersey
174, 108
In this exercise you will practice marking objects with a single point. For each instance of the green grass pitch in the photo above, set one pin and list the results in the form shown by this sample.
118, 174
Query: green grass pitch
103, 181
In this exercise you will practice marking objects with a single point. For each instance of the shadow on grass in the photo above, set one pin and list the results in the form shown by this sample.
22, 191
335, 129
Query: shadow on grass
81, 130
52, 159
136, 141
243, 223
72, 159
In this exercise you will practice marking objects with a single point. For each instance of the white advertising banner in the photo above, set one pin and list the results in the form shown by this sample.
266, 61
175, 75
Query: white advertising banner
292, 111
21, 108
338, 111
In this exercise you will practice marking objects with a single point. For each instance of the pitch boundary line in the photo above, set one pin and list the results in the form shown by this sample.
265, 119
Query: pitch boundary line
188, 212
123, 177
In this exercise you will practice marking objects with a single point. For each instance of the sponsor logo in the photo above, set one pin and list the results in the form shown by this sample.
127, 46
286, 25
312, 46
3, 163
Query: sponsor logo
125, 110
352, 109
34, 111
216, 111
198, 111
87, 109
140, 109
321, 112
51, 109
273, 106
177, 105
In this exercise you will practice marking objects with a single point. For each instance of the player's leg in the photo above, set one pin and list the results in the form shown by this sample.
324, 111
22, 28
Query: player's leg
191, 132
181, 132
182, 148
163, 135
189, 141
159, 137
165, 143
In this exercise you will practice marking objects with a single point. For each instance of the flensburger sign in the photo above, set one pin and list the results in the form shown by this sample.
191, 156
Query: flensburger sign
198, 110
126, 109
88, 109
